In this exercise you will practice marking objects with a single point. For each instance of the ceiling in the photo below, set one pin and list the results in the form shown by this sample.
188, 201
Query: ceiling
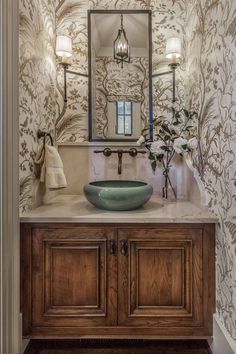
105, 29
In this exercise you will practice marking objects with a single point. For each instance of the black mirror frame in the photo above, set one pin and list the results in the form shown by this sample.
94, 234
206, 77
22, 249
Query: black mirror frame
90, 110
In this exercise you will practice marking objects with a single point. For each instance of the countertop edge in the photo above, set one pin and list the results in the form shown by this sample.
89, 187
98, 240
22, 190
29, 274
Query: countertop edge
109, 220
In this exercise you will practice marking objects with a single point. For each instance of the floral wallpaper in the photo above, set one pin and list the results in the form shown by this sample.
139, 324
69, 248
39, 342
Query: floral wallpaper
37, 82
211, 90
112, 84
206, 81
168, 19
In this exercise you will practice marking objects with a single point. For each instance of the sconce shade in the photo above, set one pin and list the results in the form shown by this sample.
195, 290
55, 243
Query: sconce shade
173, 48
64, 46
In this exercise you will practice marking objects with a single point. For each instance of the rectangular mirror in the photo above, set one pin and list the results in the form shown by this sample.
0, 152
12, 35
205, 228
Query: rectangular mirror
120, 74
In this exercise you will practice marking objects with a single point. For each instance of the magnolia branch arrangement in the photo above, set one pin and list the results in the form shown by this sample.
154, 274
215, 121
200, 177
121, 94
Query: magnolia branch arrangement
177, 135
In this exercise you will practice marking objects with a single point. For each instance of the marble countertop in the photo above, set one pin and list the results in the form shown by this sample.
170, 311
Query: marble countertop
76, 209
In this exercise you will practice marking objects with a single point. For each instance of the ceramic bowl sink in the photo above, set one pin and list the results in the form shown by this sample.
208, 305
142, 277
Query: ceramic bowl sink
118, 195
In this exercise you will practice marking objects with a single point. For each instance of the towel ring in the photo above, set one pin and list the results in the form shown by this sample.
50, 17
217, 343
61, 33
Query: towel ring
41, 134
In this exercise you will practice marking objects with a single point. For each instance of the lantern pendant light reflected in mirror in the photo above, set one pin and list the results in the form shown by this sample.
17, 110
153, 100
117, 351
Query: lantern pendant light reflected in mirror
121, 46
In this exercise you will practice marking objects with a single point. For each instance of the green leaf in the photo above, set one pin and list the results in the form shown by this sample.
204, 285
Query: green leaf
160, 157
151, 157
165, 127
167, 137
165, 148
154, 166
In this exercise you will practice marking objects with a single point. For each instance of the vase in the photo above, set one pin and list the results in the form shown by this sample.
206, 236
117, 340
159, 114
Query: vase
169, 190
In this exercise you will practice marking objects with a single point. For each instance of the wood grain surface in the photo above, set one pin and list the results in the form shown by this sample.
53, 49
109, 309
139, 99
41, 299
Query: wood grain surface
155, 282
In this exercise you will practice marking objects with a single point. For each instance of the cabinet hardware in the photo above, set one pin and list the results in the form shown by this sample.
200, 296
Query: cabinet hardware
124, 247
112, 247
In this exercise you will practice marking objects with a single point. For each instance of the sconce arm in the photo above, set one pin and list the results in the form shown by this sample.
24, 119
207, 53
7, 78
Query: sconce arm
66, 71
173, 67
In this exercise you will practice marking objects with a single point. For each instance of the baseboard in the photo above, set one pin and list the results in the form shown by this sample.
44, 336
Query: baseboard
221, 343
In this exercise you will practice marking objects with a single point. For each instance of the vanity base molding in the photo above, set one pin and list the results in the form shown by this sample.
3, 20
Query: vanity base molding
147, 281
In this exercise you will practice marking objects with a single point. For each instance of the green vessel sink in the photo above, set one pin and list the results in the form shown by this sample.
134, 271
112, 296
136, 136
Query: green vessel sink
118, 195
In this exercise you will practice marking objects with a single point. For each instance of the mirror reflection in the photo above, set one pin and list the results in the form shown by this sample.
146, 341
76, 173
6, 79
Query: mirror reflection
120, 80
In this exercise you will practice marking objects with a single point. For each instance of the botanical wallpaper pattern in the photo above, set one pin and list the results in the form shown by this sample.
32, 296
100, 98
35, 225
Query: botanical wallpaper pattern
208, 75
113, 83
37, 82
168, 18
211, 90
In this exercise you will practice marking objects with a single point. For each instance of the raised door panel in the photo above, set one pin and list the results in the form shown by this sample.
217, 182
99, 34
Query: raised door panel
73, 278
160, 278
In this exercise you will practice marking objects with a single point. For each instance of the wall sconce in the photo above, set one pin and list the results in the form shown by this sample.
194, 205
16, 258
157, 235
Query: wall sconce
173, 52
64, 51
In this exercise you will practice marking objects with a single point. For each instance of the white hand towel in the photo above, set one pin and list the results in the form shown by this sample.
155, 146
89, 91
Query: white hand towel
52, 173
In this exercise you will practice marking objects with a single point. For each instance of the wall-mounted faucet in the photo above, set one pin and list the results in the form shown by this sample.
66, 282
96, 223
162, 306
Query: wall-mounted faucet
108, 152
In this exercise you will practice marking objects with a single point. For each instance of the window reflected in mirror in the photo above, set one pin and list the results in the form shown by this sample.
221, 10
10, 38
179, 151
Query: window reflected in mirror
124, 118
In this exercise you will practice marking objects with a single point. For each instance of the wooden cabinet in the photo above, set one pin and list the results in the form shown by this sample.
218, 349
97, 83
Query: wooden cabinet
68, 278
117, 281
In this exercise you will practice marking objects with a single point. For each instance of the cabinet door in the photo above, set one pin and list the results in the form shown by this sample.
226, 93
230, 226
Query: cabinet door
73, 277
160, 280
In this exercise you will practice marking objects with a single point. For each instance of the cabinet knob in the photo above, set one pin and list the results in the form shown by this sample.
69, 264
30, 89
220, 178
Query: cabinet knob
124, 247
112, 247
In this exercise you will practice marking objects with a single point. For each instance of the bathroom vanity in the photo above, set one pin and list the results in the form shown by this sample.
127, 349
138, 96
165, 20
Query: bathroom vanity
148, 273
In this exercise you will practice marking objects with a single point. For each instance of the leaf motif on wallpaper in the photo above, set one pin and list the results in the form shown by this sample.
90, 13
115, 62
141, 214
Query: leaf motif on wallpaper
69, 123
37, 77
208, 112
25, 27
119, 4
70, 11
210, 53
232, 229
231, 30
211, 4
25, 191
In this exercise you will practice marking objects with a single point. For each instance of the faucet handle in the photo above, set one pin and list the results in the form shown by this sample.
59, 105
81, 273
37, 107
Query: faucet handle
133, 152
106, 152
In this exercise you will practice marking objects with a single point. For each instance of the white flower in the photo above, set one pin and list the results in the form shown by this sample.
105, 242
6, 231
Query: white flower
193, 143
141, 140
156, 148
178, 145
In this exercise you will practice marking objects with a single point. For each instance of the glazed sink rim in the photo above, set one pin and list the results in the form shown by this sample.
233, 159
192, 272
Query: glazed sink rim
118, 184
